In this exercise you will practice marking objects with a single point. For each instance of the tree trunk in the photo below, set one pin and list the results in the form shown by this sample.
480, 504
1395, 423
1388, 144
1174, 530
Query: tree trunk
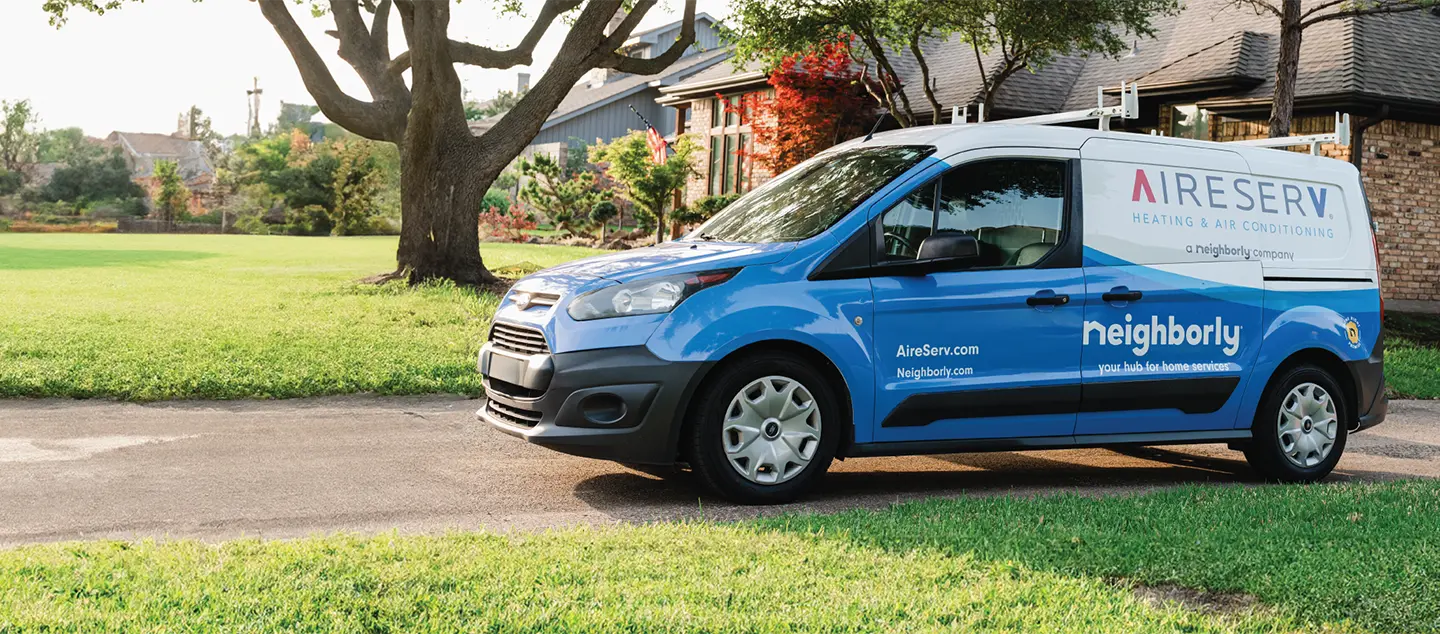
441, 190
1282, 108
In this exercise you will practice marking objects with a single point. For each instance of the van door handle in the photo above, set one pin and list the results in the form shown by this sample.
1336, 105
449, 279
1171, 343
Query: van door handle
1047, 300
1118, 295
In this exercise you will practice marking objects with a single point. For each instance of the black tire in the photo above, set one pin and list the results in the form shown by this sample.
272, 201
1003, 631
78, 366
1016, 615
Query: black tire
704, 446
1266, 452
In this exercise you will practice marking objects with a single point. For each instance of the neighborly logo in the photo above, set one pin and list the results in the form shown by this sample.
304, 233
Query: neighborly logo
1352, 332
1140, 337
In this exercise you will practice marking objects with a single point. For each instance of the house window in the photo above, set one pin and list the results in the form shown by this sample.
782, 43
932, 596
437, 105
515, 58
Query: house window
729, 143
1190, 122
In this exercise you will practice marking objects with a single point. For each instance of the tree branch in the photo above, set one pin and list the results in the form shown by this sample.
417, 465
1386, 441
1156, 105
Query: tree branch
626, 64
365, 119
380, 29
1398, 7
484, 57
1260, 6
358, 48
1321, 7
925, 77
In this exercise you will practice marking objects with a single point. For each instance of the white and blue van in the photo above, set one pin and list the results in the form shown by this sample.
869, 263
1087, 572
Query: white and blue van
966, 288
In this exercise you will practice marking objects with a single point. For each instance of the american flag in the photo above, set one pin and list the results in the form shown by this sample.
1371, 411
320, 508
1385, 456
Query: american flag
657, 144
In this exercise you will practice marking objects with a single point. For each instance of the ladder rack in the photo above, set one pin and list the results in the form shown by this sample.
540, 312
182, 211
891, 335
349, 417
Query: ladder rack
1341, 136
1129, 108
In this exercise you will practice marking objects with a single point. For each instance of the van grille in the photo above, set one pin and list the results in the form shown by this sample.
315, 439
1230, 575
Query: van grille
512, 415
522, 339
512, 390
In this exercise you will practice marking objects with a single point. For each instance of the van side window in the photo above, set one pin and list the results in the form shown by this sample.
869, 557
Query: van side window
909, 222
1015, 208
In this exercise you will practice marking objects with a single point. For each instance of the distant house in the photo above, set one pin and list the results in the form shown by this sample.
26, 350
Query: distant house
598, 107
1209, 73
142, 150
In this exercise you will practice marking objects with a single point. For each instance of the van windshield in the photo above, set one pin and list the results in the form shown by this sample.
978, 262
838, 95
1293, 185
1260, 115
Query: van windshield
811, 196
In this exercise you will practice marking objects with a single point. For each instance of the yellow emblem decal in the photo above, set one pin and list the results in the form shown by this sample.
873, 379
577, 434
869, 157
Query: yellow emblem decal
1352, 331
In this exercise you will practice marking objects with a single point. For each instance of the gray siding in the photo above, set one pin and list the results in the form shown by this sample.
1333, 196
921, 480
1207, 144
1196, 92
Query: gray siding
613, 120
706, 39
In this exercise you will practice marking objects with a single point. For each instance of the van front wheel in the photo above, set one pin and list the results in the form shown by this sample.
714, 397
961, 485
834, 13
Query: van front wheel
1300, 429
765, 430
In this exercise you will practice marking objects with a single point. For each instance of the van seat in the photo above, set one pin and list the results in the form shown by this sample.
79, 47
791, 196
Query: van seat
1031, 253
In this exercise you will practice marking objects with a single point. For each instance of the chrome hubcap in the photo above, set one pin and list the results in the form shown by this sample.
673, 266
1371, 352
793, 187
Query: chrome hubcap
1308, 425
771, 430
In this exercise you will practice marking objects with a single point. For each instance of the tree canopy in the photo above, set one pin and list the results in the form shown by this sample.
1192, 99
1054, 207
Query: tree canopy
1024, 35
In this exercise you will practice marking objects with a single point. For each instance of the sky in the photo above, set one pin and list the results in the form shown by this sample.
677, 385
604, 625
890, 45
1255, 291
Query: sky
138, 68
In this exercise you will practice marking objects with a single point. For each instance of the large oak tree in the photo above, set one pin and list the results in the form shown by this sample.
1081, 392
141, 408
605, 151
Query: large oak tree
445, 170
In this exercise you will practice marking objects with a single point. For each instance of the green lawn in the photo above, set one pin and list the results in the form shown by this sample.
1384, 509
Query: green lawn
1369, 554
152, 317
1321, 558
148, 317
1412, 354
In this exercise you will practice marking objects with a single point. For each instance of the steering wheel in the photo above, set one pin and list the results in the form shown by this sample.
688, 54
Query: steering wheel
904, 245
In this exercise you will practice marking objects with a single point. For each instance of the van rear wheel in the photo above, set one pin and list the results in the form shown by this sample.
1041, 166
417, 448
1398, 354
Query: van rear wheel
764, 430
1300, 429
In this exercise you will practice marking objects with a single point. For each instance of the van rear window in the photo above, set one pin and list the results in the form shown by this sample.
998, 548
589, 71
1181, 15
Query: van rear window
812, 196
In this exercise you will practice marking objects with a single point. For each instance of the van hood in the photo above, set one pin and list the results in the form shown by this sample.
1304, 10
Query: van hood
667, 258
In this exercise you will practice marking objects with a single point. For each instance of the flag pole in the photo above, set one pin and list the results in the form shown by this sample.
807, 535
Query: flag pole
648, 126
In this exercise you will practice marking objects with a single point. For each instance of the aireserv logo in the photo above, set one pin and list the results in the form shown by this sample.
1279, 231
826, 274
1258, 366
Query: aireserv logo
1140, 337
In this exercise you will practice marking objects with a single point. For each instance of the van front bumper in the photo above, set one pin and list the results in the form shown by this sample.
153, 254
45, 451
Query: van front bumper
622, 404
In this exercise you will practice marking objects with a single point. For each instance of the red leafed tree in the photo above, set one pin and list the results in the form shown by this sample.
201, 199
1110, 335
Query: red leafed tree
819, 100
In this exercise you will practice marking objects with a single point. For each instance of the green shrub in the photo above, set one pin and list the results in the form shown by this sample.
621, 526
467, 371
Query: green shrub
9, 182
497, 199
711, 205
4, 225
310, 220
93, 180
116, 208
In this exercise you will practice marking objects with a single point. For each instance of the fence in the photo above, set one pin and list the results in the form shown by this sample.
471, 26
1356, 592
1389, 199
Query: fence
140, 225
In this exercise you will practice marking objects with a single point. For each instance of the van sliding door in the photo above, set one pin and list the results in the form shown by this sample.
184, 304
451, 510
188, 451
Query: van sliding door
1173, 289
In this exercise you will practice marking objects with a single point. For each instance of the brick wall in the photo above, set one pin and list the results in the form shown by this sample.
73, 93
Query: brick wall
1402, 178
698, 186
1401, 172
699, 128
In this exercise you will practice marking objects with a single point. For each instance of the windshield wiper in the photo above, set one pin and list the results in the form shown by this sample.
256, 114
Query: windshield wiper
707, 237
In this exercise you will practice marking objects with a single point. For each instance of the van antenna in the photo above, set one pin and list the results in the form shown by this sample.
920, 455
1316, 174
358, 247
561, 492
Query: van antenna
875, 127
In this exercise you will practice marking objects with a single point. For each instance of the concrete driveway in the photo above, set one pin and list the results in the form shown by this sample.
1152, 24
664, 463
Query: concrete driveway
217, 470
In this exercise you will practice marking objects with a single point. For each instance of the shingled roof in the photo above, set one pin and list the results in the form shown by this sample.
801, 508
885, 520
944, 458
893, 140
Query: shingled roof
1213, 51
143, 149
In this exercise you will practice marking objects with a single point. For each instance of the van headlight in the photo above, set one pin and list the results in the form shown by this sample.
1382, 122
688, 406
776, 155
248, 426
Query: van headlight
644, 297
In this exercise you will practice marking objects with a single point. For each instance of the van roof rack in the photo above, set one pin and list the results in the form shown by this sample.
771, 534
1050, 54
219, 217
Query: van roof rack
1129, 108
1341, 136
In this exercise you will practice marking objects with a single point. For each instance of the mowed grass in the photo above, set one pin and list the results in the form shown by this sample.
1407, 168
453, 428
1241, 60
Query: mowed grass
151, 317
1320, 558
1352, 556
1412, 354
659, 578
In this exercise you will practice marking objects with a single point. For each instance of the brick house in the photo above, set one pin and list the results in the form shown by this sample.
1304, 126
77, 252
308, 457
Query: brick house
1209, 74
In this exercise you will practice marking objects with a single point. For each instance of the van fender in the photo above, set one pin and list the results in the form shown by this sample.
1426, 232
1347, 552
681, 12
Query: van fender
1306, 327
708, 335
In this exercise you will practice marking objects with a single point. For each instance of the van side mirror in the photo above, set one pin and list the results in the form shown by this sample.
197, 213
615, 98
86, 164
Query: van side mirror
948, 244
